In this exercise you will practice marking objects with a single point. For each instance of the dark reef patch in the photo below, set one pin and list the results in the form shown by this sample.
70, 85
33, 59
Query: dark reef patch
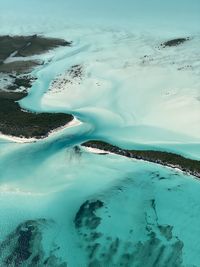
76, 71
86, 217
23, 247
159, 248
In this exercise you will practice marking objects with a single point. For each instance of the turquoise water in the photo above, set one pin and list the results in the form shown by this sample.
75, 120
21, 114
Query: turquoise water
148, 215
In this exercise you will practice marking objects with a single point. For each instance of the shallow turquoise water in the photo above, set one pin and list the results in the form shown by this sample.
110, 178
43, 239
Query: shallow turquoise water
150, 214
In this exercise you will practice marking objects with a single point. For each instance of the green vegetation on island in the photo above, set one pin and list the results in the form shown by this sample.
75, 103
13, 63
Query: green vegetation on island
15, 82
173, 160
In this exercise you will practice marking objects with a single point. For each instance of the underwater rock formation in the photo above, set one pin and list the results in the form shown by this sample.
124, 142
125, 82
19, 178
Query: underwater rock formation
23, 247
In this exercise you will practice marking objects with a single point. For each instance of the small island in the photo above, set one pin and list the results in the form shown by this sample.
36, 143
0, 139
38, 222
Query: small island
174, 42
168, 159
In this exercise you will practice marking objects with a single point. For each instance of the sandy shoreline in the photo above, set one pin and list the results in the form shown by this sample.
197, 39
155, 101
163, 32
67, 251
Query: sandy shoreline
97, 150
15, 139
